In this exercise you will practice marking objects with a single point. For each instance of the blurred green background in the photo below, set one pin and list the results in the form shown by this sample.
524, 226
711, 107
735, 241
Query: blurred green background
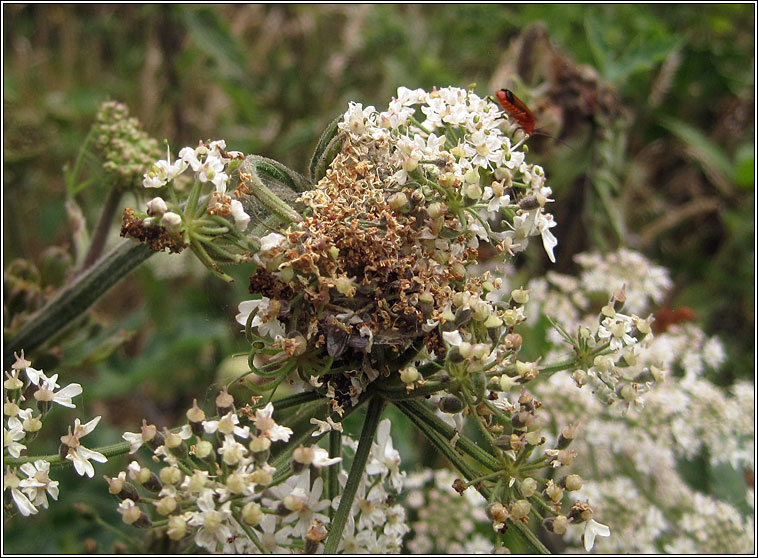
655, 101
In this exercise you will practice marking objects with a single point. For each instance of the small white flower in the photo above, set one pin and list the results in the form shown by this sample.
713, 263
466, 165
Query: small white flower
452, 338
227, 425
321, 458
232, 450
12, 435
268, 427
385, 460
594, 529
271, 241
38, 484
325, 425
266, 323
11, 482
241, 219
48, 385
78, 453
213, 523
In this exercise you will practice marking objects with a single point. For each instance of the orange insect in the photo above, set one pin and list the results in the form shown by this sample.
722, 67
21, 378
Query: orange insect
666, 317
517, 109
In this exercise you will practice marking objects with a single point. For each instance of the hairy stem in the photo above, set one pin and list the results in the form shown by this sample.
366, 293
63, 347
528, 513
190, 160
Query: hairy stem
75, 299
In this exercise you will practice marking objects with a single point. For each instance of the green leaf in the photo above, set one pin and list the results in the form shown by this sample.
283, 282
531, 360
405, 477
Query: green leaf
710, 156
744, 170
216, 41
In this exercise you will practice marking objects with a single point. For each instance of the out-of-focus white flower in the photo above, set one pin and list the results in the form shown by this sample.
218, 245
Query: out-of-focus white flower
384, 459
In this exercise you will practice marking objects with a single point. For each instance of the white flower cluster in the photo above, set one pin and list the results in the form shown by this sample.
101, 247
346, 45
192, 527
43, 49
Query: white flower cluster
234, 505
22, 424
461, 133
209, 163
645, 283
632, 457
446, 522
623, 367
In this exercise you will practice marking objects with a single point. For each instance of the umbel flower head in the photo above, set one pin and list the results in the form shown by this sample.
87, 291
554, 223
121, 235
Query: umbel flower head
378, 268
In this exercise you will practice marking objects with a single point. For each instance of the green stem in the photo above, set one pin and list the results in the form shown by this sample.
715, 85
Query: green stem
400, 393
248, 530
530, 538
468, 472
442, 443
375, 408
100, 234
55, 460
479, 424
332, 481
191, 208
558, 366
75, 299
422, 415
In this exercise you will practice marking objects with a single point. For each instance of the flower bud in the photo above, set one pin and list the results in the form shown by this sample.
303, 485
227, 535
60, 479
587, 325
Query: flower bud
252, 513
567, 436
165, 505
493, 321
528, 487
513, 341
520, 509
398, 201
10, 409
224, 403
436, 209
13, 383
259, 444
572, 482
32, 424
471, 176
177, 527
497, 512
203, 449
172, 221
520, 296
553, 491
156, 207
236, 483
473, 191
409, 374
196, 416
170, 475
557, 525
